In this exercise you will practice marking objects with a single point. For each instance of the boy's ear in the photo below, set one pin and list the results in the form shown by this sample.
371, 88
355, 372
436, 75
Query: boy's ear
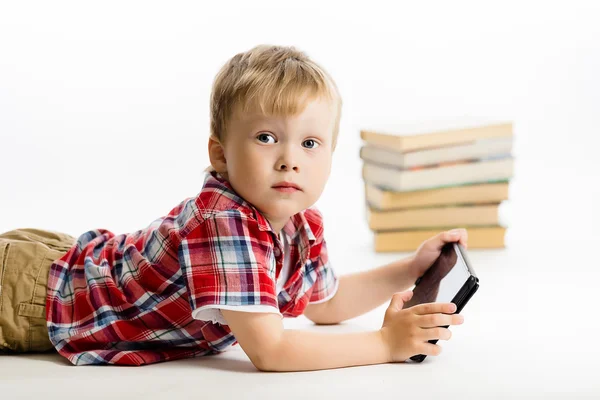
217, 155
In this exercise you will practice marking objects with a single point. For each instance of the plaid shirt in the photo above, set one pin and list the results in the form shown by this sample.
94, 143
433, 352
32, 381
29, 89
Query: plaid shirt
128, 299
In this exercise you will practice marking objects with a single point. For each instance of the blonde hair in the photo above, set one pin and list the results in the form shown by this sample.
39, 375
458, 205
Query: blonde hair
273, 78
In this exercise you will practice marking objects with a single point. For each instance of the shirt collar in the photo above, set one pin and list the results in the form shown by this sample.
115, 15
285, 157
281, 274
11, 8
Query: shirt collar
297, 228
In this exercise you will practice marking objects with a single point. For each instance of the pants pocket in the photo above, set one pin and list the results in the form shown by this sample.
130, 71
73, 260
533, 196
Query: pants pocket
24, 267
32, 310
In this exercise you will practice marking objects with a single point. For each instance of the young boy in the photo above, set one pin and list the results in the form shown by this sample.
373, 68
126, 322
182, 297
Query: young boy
225, 266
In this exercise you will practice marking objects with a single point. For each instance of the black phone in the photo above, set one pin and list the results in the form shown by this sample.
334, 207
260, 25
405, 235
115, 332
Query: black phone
451, 279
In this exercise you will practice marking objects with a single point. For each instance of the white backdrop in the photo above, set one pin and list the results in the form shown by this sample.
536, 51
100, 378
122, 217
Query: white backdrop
100, 104
104, 107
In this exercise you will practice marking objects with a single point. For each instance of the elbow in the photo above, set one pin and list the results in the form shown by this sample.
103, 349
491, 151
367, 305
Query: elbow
324, 320
261, 363
332, 322
263, 367
267, 358
265, 363
323, 314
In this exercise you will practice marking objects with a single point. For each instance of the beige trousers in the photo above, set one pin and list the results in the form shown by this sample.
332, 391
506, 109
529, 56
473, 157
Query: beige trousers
25, 259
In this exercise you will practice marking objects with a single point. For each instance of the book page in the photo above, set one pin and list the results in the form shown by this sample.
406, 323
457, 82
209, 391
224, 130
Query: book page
432, 125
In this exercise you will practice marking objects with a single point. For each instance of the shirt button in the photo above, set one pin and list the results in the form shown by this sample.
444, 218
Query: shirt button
277, 252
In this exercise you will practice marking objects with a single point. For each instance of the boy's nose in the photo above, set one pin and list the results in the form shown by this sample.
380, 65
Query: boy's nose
281, 166
287, 161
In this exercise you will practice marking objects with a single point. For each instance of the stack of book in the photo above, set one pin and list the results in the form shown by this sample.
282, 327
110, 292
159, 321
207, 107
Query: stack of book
419, 184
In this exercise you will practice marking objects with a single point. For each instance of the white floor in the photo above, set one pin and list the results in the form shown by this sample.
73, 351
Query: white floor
528, 332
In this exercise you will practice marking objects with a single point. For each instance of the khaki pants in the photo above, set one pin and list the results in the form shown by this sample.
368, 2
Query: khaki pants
25, 259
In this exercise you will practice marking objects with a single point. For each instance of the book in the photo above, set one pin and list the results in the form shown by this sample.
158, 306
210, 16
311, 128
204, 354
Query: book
457, 173
381, 199
478, 149
489, 237
407, 139
449, 216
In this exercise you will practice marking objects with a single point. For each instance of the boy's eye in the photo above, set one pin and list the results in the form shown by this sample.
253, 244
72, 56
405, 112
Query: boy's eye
265, 137
311, 144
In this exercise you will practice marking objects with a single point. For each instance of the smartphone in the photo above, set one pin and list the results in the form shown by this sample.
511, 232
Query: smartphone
451, 279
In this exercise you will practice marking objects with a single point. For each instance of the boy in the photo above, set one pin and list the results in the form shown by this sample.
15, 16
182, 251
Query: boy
224, 267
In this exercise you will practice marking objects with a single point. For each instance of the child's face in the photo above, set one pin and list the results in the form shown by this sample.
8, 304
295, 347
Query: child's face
263, 152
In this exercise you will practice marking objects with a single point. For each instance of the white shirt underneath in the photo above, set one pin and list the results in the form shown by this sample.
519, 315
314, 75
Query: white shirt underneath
213, 312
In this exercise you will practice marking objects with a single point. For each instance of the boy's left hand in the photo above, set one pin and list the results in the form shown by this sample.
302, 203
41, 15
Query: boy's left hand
430, 250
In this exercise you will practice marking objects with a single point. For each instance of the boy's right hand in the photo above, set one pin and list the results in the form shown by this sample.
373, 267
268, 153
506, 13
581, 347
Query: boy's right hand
407, 332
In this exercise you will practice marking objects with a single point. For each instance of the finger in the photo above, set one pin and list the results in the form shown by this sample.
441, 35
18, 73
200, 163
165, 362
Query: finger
399, 298
455, 235
429, 349
441, 239
437, 333
451, 236
433, 320
433, 308
464, 237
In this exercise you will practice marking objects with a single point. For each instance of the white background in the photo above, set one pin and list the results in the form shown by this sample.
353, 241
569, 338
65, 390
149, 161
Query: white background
104, 124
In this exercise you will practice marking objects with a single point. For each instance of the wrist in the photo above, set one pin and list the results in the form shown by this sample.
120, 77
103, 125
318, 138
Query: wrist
411, 270
399, 275
385, 343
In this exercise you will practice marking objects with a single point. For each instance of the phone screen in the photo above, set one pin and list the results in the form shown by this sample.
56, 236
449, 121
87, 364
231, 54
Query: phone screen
443, 280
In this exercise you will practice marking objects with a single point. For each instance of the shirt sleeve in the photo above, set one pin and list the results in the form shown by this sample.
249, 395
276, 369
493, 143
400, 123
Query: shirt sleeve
327, 281
226, 263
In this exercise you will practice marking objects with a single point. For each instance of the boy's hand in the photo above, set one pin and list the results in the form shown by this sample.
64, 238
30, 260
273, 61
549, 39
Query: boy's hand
407, 332
430, 250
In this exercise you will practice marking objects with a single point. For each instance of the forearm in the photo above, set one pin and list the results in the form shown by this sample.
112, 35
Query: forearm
363, 291
307, 351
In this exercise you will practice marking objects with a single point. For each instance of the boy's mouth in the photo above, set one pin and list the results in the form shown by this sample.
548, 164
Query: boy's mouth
286, 187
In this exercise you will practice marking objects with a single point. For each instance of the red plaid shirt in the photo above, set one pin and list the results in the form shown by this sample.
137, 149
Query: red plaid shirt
128, 299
